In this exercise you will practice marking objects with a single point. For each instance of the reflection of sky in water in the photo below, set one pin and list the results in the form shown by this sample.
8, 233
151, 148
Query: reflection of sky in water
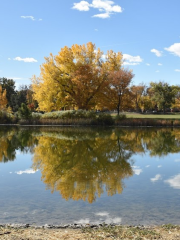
150, 196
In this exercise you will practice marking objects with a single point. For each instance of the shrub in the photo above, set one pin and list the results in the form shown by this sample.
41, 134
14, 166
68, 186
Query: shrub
103, 119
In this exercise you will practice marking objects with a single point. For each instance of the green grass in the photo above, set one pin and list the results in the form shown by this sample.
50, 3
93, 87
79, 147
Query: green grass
152, 116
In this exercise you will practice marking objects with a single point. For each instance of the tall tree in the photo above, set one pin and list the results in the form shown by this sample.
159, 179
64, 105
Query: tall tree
76, 77
162, 94
118, 89
9, 86
3, 99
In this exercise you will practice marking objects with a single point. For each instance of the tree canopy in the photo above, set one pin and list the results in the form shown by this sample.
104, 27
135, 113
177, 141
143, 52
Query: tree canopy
79, 78
163, 95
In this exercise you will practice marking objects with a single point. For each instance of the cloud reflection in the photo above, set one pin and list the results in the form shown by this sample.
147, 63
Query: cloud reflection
174, 182
137, 170
156, 178
27, 171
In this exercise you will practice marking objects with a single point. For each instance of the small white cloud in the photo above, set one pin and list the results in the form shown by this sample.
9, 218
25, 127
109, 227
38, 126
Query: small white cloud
174, 49
156, 178
174, 182
82, 6
137, 170
40, 19
102, 214
27, 171
131, 60
9, 59
147, 64
177, 70
10, 172
159, 166
30, 17
25, 59
15, 78
102, 15
157, 52
147, 166
159, 64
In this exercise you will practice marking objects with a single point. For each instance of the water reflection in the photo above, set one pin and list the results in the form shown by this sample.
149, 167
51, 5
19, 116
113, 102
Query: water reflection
82, 163
12, 139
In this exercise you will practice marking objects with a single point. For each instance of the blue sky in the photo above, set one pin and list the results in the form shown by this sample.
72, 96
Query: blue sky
147, 32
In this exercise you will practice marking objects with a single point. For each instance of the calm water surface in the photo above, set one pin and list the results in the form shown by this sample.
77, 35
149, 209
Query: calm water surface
89, 175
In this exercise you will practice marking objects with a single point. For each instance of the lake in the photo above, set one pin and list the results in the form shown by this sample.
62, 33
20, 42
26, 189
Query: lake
83, 175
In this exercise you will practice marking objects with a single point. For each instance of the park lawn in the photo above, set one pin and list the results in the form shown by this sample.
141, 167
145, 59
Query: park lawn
153, 116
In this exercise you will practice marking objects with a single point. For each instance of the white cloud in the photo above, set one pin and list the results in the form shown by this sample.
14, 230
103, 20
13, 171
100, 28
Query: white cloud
147, 166
147, 64
157, 52
30, 17
27, 171
25, 59
174, 49
156, 178
159, 166
15, 78
137, 170
40, 19
102, 15
131, 60
105, 6
177, 70
9, 59
82, 6
159, 64
174, 182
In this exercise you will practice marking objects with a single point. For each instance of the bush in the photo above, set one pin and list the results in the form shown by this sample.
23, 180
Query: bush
69, 114
103, 119
120, 117
6, 117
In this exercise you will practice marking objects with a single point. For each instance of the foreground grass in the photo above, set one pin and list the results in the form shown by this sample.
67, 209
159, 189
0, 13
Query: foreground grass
100, 233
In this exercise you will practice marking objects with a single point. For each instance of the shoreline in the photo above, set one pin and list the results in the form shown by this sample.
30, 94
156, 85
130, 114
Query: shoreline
87, 232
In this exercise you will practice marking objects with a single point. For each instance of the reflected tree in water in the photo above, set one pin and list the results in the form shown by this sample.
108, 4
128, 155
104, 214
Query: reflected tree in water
13, 139
82, 167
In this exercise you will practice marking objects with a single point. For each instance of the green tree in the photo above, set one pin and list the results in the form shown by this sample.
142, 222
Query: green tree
24, 111
162, 94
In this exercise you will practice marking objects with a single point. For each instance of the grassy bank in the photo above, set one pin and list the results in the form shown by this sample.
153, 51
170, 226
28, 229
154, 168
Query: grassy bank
99, 233
92, 118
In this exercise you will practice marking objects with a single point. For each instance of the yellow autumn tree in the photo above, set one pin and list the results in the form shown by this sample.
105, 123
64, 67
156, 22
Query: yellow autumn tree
3, 99
75, 78
78, 165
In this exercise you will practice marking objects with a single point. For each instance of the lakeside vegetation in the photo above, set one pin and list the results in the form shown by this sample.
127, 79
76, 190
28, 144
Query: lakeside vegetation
83, 86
